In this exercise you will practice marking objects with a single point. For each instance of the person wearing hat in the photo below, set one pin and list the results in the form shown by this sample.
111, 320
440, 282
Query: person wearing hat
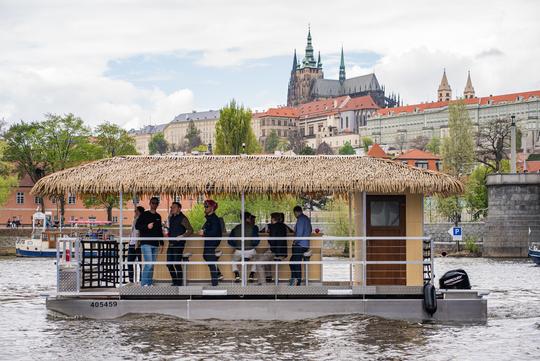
211, 229
149, 226
250, 230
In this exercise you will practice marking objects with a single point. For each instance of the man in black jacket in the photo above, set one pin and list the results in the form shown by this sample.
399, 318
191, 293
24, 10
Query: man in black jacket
211, 228
278, 247
179, 227
149, 226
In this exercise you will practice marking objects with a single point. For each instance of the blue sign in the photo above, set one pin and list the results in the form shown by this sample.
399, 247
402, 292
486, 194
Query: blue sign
456, 231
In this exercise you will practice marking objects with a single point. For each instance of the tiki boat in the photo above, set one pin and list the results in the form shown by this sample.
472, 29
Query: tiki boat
388, 271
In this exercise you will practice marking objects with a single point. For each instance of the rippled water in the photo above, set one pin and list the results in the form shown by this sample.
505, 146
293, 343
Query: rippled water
512, 332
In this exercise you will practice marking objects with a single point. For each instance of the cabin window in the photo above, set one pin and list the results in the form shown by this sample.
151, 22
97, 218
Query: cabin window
71, 199
421, 164
20, 198
384, 213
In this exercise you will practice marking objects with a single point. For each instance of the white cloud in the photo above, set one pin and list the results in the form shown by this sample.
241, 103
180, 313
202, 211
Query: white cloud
55, 53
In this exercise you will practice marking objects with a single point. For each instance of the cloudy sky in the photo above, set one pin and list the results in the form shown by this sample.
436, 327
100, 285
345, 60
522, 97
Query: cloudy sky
142, 62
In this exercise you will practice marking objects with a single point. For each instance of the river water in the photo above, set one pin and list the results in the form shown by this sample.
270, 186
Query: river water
27, 332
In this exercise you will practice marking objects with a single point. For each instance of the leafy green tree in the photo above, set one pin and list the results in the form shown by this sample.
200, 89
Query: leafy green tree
271, 142
201, 148
457, 154
7, 179
347, 149
434, 145
68, 144
233, 130
114, 140
158, 144
307, 150
193, 136
283, 145
366, 143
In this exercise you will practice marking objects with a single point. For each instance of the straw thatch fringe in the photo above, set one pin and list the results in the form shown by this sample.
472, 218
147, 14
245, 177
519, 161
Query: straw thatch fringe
251, 174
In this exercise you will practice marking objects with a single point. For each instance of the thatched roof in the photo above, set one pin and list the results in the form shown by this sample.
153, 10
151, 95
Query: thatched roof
252, 174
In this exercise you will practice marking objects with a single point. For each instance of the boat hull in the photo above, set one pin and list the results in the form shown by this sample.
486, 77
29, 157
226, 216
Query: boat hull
535, 255
464, 310
29, 253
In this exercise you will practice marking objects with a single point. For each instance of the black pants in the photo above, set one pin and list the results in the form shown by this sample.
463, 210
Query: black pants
297, 256
175, 253
134, 255
209, 255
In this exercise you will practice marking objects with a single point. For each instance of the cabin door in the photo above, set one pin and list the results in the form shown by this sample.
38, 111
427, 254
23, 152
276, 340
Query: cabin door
385, 217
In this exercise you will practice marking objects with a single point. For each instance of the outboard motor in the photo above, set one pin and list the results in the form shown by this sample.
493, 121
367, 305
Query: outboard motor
455, 279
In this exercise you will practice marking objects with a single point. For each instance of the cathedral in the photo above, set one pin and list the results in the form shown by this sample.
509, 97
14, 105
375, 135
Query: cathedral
307, 82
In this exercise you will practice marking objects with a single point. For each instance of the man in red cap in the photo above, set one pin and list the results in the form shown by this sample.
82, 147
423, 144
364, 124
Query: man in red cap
211, 228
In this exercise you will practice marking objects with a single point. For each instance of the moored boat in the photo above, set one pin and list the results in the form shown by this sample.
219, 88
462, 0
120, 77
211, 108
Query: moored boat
534, 253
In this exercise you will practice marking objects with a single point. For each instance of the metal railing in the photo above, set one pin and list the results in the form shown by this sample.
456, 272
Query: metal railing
99, 264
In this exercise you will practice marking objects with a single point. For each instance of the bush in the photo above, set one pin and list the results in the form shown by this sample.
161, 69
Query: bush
471, 246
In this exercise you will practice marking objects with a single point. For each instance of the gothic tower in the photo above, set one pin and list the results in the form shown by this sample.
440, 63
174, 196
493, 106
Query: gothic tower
303, 75
444, 93
342, 68
468, 93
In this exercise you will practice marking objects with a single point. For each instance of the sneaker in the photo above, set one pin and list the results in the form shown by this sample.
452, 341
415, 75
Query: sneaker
269, 280
292, 282
220, 276
236, 277
251, 276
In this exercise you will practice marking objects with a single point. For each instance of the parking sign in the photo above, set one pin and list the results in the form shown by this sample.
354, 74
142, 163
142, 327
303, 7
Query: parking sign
456, 233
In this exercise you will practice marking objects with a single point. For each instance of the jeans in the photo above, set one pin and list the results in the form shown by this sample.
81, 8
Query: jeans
209, 255
297, 256
175, 253
149, 254
134, 255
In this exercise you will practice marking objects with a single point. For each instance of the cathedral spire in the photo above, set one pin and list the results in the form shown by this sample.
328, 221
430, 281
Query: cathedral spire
468, 93
342, 67
309, 60
444, 93
319, 64
294, 62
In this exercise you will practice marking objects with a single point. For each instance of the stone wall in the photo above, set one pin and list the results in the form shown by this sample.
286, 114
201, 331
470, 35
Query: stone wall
513, 210
439, 233
8, 237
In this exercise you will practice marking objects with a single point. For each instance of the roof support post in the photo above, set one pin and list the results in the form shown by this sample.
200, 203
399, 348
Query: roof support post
359, 220
121, 238
350, 242
243, 227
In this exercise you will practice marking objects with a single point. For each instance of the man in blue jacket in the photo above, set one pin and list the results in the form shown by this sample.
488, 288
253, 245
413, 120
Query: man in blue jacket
211, 228
300, 246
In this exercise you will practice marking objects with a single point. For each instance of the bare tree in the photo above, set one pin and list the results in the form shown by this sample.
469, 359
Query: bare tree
401, 141
420, 142
493, 142
296, 141
325, 149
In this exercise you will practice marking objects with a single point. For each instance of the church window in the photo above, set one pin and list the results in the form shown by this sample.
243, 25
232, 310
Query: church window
346, 122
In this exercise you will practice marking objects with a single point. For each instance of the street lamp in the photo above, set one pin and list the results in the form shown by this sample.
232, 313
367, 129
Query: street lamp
513, 145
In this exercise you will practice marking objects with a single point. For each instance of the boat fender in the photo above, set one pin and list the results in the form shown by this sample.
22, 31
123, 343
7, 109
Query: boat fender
430, 299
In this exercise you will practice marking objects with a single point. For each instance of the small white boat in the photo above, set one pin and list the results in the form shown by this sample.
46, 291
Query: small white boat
42, 243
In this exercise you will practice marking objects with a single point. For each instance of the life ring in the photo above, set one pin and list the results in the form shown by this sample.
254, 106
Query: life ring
430, 299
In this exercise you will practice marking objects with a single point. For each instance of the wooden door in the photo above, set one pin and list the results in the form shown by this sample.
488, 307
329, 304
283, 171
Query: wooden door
385, 216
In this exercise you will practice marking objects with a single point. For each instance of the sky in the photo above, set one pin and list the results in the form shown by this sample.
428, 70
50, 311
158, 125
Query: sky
136, 63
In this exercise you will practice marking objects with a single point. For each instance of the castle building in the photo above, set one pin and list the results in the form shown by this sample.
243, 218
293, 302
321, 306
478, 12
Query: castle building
307, 82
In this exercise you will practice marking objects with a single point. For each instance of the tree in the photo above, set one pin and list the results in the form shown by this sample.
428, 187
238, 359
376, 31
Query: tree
296, 141
283, 145
325, 149
271, 143
493, 142
66, 144
104, 201
158, 144
457, 149
7, 179
400, 141
307, 150
233, 130
457, 156
434, 145
114, 140
420, 142
366, 143
193, 136
347, 149
200, 148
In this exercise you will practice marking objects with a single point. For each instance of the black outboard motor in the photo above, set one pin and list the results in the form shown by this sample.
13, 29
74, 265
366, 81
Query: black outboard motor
455, 279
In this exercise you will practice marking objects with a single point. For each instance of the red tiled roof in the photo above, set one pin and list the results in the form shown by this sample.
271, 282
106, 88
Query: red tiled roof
320, 107
376, 151
481, 101
417, 154
285, 112
365, 102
